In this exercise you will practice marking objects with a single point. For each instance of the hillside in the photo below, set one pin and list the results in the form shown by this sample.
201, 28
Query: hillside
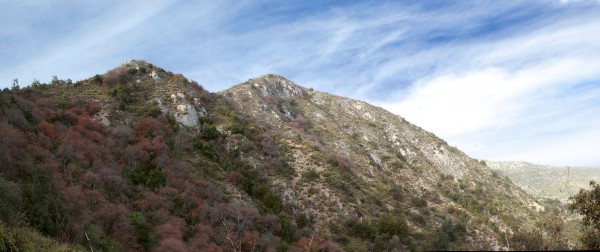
140, 158
545, 181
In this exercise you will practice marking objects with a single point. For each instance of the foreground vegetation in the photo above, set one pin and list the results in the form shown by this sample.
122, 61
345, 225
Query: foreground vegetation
135, 187
586, 203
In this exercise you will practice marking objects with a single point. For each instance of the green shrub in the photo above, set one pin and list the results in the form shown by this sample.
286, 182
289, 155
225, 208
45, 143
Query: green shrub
207, 150
287, 227
238, 128
419, 202
148, 175
419, 219
448, 234
360, 229
172, 122
123, 94
10, 201
63, 102
44, 208
270, 203
152, 111
25, 239
528, 240
392, 225
98, 239
302, 220
146, 238
397, 193
340, 185
97, 79
311, 175
8, 241
156, 179
209, 132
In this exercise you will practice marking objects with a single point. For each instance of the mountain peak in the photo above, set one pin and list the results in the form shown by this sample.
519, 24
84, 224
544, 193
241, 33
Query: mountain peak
275, 85
136, 63
271, 77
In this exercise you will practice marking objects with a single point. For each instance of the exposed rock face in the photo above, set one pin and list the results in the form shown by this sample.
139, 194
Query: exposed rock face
155, 76
288, 195
188, 115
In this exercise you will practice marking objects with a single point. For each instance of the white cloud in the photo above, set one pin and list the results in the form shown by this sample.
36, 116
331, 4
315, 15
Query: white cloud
514, 102
74, 55
577, 1
452, 105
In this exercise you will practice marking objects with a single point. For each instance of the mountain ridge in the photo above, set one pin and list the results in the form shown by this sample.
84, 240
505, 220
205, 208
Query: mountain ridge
436, 153
545, 181
309, 163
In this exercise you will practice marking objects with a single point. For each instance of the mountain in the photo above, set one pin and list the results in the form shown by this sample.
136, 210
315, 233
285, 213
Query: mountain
558, 183
139, 158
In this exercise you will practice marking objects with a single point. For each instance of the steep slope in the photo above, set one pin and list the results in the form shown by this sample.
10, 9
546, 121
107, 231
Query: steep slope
545, 181
140, 158
130, 160
353, 161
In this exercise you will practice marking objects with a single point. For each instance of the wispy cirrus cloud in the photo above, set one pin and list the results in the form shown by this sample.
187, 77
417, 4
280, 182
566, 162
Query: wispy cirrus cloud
578, 1
51, 43
532, 96
501, 80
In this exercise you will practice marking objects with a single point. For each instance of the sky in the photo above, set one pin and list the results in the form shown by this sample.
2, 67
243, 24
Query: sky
500, 80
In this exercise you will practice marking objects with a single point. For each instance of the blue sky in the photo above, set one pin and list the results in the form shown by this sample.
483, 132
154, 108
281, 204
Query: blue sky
501, 80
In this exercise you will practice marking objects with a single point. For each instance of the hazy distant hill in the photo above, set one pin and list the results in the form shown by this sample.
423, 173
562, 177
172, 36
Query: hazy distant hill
547, 181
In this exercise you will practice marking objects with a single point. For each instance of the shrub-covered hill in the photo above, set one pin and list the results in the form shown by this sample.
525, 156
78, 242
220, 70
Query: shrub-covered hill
547, 182
140, 158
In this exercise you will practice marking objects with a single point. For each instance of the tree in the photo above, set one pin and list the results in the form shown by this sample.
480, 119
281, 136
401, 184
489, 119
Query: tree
66, 153
527, 239
586, 203
116, 76
314, 243
55, 80
97, 79
209, 132
12, 146
556, 240
15, 85
145, 237
10, 201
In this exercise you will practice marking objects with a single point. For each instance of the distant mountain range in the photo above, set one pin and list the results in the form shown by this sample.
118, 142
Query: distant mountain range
545, 181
